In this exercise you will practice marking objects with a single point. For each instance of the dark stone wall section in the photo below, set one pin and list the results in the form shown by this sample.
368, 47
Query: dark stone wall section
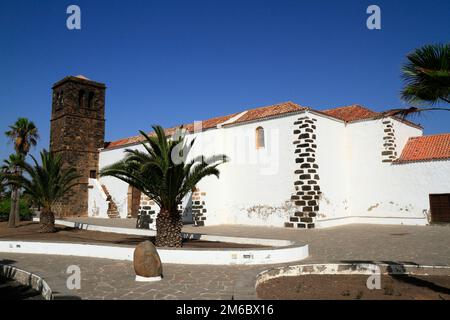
149, 210
199, 208
389, 152
306, 184
146, 218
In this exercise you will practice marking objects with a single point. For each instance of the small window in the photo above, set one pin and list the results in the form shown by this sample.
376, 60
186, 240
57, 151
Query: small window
91, 100
260, 138
81, 98
61, 98
58, 98
93, 174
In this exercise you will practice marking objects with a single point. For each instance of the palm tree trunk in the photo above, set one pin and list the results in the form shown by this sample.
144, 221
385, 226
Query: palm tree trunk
168, 229
17, 204
47, 221
17, 208
12, 214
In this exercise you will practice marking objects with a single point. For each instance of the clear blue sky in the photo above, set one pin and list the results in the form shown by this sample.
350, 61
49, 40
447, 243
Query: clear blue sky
172, 62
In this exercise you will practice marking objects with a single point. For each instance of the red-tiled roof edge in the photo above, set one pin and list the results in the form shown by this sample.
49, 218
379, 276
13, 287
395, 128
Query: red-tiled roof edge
367, 118
407, 122
407, 155
399, 161
348, 106
404, 121
299, 109
117, 143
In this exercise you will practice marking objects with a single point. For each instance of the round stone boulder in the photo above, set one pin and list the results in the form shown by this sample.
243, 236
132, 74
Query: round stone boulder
147, 263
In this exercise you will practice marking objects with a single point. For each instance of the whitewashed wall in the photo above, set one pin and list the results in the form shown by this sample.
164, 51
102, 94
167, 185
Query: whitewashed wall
256, 184
332, 156
416, 180
379, 189
97, 203
116, 188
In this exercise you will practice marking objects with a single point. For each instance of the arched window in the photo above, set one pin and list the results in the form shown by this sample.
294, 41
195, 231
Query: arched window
58, 98
260, 143
81, 98
91, 100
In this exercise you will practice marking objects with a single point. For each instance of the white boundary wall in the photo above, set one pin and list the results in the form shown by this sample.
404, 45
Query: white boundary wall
178, 256
28, 279
349, 269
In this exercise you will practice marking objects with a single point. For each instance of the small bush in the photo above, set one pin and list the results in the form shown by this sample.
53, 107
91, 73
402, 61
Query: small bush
25, 211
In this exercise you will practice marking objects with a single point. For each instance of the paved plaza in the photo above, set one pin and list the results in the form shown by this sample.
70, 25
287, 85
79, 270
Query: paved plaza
110, 279
412, 244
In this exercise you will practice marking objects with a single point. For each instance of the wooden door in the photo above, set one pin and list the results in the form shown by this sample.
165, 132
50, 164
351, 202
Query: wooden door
440, 207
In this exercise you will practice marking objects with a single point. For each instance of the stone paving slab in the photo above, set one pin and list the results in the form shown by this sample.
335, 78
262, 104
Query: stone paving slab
112, 279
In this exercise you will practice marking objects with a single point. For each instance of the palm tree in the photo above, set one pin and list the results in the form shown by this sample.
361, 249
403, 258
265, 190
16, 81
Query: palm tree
160, 175
426, 77
11, 169
45, 184
24, 134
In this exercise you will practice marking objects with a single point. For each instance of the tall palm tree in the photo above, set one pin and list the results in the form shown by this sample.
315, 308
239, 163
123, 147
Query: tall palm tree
426, 77
45, 184
10, 169
24, 134
159, 174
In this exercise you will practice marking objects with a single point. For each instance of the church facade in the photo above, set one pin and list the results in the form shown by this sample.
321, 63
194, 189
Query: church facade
290, 166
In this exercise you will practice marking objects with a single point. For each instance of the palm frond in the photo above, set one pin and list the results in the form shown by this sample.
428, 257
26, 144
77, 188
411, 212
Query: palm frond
47, 182
155, 173
426, 75
409, 112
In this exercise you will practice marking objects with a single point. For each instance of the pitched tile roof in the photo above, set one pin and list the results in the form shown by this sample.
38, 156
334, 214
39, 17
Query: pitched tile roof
248, 115
270, 111
351, 113
348, 113
426, 148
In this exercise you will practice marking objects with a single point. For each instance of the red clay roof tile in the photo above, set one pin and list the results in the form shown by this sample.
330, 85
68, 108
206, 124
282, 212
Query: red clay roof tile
351, 113
347, 113
253, 114
270, 111
424, 148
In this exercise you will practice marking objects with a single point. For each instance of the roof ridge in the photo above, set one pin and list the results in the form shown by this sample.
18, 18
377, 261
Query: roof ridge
276, 105
232, 119
348, 106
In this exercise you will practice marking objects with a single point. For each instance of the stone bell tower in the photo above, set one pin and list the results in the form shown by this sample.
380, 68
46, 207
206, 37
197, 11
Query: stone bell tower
77, 132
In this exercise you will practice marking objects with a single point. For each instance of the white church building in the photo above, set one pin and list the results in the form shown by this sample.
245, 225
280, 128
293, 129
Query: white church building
296, 167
